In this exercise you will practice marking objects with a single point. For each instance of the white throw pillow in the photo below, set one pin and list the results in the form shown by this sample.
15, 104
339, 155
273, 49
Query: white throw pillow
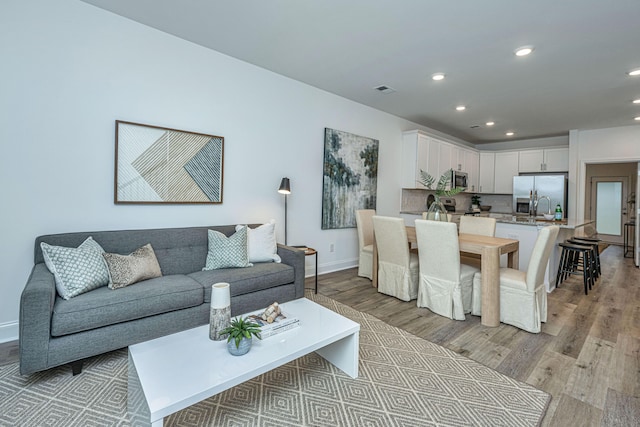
261, 243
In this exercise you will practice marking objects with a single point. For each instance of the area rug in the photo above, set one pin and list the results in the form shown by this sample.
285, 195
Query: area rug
403, 381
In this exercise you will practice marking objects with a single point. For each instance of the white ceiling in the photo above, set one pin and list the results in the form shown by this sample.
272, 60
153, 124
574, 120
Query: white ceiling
575, 79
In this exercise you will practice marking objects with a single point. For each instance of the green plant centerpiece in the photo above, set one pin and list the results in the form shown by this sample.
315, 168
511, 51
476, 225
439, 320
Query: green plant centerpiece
437, 211
240, 335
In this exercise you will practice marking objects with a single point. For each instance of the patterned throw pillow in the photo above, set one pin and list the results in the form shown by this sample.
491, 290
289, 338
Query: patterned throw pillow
225, 252
139, 265
76, 270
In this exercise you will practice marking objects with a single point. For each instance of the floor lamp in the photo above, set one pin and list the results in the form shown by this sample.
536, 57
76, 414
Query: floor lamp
285, 188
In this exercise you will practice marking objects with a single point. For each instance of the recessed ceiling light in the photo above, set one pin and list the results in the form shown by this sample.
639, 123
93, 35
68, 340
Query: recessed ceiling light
636, 101
437, 76
637, 118
635, 72
523, 51
490, 123
509, 133
461, 108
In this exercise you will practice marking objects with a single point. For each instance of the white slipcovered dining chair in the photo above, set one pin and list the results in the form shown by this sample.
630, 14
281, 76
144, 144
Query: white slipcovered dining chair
397, 266
523, 296
483, 226
364, 224
445, 285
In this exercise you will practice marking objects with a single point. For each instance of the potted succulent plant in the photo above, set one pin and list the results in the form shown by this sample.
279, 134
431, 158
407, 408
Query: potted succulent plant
437, 210
475, 201
241, 332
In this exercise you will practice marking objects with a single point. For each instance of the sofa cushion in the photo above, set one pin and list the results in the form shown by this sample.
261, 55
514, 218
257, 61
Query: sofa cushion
103, 306
125, 270
76, 270
246, 280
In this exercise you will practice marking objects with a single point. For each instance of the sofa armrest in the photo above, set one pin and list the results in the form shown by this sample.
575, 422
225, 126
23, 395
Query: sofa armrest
295, 258
36, 309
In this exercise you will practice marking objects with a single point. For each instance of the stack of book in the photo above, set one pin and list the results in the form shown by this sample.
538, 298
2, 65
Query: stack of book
280, 324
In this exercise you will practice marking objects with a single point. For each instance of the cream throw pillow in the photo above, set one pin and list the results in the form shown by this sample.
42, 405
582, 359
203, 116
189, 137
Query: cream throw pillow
261, 242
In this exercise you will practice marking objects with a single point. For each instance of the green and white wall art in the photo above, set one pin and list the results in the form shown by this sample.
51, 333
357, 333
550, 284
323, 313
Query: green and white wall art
350, 177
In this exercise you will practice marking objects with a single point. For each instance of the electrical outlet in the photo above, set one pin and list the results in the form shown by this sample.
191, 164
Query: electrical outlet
332, 247
512, 236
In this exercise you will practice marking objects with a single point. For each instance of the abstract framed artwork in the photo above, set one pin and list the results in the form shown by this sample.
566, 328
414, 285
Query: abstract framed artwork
350, 177
161, 165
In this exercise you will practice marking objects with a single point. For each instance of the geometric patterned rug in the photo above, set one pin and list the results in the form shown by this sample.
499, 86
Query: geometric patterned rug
403, 380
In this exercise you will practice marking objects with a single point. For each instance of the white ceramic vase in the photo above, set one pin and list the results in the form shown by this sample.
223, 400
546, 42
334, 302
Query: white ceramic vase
220, 314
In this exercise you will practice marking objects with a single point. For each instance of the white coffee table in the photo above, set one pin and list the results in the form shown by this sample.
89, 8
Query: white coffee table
176, 371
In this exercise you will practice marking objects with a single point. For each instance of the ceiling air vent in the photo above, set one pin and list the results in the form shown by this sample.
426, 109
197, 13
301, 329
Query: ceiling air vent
474, 127
384, 89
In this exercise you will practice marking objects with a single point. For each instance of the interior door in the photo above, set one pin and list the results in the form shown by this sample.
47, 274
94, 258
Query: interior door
608, 207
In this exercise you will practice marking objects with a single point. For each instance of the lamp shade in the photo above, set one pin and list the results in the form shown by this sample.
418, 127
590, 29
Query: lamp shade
285, 187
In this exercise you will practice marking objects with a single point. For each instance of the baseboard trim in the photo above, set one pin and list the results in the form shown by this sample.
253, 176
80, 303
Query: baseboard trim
331, 267
8, 332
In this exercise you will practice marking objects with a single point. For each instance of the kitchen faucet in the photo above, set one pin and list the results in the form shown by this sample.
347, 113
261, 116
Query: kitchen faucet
535, 204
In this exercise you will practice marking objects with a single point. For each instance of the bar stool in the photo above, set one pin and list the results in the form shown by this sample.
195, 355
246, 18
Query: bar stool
594, 254
572, 257
596, 244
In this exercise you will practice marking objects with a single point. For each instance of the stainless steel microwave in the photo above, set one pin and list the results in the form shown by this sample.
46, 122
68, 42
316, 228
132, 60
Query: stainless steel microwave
459, 179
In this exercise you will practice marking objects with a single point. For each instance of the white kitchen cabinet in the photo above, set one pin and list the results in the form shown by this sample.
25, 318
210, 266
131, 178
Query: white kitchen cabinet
544, 160
556, 159
421, 151
472, 167
458, 160
506, 167
486, 176
445, 158
415, 156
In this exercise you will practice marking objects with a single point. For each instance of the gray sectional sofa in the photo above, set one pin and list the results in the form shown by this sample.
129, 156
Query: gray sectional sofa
55, 331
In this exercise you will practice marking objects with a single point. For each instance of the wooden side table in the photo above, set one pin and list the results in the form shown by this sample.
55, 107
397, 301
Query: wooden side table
308, 252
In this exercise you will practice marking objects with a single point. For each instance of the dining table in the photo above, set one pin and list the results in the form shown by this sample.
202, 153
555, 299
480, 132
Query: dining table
489, 248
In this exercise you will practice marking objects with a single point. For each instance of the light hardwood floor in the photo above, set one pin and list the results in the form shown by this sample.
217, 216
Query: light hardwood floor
587, 355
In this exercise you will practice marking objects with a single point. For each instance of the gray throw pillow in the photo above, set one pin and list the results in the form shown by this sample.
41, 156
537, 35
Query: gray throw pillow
76, 270
125, 270
225, 252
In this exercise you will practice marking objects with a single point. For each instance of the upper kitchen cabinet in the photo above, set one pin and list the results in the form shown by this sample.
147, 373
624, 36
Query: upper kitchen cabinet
472, 167
486, 179
506, 168
497, 171
421, 151
417, 150
544, 160
446, 159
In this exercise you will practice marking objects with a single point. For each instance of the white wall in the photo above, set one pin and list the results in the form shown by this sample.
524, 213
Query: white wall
69, 70
610, 145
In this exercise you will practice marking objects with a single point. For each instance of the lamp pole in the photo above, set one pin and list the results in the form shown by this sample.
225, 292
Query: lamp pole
285, 188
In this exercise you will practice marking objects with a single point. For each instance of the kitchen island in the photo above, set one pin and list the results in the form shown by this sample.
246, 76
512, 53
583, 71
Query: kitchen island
526, 231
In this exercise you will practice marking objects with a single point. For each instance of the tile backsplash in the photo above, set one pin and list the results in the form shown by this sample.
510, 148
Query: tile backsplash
415, 200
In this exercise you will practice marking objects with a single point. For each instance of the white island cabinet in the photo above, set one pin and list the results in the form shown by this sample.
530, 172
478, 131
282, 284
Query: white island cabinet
527, 233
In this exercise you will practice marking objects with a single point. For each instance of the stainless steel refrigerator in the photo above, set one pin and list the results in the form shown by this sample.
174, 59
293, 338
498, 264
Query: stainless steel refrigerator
528, 188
